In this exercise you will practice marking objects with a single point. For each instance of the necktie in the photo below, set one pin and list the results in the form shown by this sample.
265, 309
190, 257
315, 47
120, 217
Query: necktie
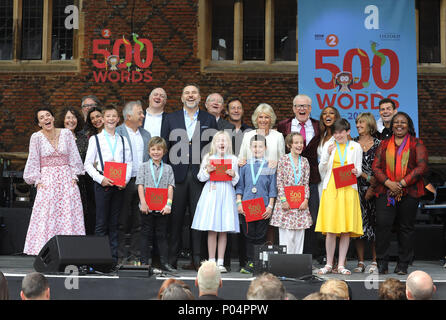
302, 133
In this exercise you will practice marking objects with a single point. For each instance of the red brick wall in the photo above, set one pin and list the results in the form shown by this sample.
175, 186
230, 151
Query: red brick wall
172, 28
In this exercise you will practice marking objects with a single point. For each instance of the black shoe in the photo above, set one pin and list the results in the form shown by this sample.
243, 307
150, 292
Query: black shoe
383, 268
400, 270
168, 267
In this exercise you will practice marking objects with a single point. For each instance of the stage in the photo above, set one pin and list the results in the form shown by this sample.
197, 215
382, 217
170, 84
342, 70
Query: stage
116, 286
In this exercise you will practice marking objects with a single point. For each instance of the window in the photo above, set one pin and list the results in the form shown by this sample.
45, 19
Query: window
431, 35
33, 36
248, 35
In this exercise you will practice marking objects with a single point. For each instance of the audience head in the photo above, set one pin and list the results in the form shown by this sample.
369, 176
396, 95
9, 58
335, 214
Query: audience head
4, 293
264, 116
35, 287
70, 118
401, 124
302, 107
321, 296
337, 288
419, 286
392, 289
208, 278
266, 287
176, 291
166, 283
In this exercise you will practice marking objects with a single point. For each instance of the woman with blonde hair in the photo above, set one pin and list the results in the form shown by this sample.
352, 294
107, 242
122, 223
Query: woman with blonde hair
366, 126
216, 211
263, 119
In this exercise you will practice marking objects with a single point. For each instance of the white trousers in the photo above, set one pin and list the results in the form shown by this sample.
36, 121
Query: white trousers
292, 239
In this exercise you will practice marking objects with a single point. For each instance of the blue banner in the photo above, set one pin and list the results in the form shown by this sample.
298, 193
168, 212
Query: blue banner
353, 53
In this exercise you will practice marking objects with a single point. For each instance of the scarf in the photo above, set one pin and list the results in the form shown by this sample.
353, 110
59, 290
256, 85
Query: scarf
397, 160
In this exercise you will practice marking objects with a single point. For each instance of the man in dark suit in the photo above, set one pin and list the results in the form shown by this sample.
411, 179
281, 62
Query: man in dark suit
188, 133
309, 129
129, 223
215, 105
154, 115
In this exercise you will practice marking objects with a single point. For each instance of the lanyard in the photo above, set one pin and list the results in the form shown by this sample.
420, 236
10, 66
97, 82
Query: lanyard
153, 173
256, 177
112, 149
296, 178
342, 157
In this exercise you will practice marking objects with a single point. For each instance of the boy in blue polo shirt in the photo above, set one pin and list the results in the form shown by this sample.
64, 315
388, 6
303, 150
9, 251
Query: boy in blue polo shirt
257, 180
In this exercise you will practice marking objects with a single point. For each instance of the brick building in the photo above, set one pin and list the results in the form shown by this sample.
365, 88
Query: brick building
232, 47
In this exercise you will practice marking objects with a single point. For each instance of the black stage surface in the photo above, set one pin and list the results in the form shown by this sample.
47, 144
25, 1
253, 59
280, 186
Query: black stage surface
116, 286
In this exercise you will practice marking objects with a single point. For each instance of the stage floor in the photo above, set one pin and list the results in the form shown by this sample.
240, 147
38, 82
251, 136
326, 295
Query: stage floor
133, 286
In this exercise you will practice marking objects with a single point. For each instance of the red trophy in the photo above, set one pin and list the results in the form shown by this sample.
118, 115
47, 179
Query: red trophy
116, 171
221, 165
254, 209
344, 176
156, 198
295, 195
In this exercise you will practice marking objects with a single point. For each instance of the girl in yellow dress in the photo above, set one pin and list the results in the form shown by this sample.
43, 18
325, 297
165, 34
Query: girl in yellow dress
339, 209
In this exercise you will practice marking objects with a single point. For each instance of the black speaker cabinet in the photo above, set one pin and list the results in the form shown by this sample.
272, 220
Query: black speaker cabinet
290, 265
61, 251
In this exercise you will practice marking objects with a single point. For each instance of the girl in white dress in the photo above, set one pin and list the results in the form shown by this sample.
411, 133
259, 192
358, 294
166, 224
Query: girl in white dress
216, 209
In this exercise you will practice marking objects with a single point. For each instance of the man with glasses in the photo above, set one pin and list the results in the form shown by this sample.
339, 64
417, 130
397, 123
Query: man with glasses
309, 129
89, 102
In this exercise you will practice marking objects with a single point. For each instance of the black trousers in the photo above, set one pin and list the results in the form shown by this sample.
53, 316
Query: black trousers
255, 234
153, 226
402, 215
108, 206
129, 223
314, 241
186, 194
236, 240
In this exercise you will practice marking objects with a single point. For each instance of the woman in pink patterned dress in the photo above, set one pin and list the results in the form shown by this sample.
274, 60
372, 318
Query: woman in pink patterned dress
53, 166
292, 170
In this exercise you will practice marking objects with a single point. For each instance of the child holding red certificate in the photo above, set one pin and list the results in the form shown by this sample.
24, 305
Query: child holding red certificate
291, 214
339, 210
216, 212
155, 181
256, 193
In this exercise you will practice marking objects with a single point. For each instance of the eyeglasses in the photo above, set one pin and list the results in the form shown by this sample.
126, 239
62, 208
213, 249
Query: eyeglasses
302, 106
90, 105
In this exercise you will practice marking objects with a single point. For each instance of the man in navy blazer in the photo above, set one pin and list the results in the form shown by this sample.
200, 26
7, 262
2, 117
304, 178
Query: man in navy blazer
129, 223
188, 133
303, 124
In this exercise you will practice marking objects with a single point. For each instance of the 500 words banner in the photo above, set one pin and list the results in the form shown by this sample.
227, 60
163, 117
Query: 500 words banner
353, 53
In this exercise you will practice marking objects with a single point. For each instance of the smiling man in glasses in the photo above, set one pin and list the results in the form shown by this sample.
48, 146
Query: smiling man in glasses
89, 102
309, 129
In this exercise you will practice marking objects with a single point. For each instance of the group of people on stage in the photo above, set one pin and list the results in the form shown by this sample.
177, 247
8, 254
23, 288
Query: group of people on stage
180, 151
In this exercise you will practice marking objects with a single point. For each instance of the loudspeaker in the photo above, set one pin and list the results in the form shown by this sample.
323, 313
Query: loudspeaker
61, 251
290, 265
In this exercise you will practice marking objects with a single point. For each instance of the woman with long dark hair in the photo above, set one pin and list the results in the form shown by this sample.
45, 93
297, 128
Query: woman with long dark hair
399, 165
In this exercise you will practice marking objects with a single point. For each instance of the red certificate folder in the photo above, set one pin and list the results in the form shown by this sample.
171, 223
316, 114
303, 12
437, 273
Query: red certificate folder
115, 171
343, 176
156, 198
221, 166
295, 195
253, 209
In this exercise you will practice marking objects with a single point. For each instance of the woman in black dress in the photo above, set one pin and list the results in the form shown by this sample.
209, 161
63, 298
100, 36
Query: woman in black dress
366, 125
